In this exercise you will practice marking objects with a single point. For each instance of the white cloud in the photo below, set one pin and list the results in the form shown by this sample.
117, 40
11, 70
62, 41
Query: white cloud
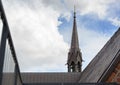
94, 7
103, 9
115, 21
59, 6
36, 38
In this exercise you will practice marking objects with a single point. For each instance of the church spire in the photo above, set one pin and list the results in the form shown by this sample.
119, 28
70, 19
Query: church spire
74, 42
74, 61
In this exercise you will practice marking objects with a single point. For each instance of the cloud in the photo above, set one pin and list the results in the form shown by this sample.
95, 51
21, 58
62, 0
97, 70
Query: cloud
103, 9
94, 7
115, 21
37, 40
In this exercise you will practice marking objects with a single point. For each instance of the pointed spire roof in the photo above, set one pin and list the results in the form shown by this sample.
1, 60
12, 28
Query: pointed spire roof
74, 42
74, 55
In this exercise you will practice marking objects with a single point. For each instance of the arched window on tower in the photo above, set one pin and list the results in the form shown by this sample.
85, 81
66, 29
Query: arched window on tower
72, 67
79, 66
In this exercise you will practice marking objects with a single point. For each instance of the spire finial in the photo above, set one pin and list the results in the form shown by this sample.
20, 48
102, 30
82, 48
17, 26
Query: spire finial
74, 11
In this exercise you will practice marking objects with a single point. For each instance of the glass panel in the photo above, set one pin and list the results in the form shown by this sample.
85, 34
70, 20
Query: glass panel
1, 26
8, 69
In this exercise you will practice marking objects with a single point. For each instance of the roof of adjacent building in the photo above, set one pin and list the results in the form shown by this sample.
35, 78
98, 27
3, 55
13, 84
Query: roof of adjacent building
99, 68
50, 77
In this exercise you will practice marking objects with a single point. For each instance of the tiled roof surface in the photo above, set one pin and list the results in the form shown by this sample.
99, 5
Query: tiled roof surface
50, 77
103, 61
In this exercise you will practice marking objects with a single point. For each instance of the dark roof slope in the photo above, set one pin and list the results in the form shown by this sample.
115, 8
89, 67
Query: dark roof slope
103, 61
50, 77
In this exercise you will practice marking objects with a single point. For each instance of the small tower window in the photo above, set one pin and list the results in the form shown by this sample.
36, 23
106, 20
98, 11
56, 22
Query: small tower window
72, 67
79, 67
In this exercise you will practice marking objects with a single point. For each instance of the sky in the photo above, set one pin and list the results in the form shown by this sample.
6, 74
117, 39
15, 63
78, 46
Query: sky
41, 30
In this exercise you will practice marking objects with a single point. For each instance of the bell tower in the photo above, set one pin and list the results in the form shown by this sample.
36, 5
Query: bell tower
74, 61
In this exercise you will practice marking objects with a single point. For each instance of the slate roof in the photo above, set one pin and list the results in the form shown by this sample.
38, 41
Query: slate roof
104, 62
50, 77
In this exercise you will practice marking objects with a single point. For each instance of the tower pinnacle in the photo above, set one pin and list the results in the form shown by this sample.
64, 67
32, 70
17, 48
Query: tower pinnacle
74, 61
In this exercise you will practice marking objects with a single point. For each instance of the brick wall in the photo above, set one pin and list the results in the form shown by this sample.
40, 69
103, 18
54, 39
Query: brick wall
115, 75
